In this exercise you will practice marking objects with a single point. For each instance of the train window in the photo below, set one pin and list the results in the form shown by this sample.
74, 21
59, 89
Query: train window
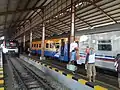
47, 45
104, 41
11, 44
105, 47
39, 45
57, 45
34, 45
52, 45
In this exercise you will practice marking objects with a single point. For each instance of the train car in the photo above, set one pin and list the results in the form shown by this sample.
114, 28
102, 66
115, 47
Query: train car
106, 45
10, 47
53, 48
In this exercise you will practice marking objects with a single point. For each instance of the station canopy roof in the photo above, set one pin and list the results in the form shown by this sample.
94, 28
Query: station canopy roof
14, 14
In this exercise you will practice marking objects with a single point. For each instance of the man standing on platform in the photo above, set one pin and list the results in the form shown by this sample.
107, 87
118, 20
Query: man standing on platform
73, 47
91, 71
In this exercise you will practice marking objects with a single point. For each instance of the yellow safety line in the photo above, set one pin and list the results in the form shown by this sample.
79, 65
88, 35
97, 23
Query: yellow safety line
1, 82
1, 69
48, 66
1, 76
82, 81
60, 71
54, 68
69, 76
97, 87
1, 88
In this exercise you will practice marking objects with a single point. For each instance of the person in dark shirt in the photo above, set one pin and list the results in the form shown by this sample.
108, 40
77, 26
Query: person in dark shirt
117, 66
87, 51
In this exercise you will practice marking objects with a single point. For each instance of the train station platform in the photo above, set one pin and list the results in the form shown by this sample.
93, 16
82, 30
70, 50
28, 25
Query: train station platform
103, 82
1, 72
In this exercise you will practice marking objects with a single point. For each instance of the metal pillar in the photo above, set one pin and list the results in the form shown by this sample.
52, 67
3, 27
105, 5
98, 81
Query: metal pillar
24, 42
72, 34
43, 42
30, 39
72, 31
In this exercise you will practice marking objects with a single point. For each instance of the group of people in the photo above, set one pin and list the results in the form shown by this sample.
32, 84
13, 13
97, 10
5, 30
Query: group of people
89, 62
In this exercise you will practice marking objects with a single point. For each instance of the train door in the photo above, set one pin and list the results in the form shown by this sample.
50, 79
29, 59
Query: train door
62, 47
64, 50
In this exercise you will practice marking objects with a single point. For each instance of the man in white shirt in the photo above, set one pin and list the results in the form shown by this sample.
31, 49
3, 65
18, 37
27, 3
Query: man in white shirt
73, 45
91, 71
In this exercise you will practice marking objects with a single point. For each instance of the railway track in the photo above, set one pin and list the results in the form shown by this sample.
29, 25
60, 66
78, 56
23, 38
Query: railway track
26, 78
111, 80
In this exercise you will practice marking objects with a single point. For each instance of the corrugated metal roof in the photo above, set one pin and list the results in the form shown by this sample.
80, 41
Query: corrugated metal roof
89, 14
13, 12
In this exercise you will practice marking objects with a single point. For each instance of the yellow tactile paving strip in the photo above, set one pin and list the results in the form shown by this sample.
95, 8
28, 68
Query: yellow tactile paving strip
70, 76
2, 88
1, 79
1, 75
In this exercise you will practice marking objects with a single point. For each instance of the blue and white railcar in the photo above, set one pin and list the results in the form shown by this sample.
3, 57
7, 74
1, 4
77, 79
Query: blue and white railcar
106, 45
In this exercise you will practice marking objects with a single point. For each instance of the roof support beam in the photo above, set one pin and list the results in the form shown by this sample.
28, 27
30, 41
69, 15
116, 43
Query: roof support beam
25, 7
45, 24
63, 22
20, 10
36, 34
59, 24
13, 22
40, 31
56, 27
103, 11
7, 5
84, 21
47, 29
14, 15
34, 9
